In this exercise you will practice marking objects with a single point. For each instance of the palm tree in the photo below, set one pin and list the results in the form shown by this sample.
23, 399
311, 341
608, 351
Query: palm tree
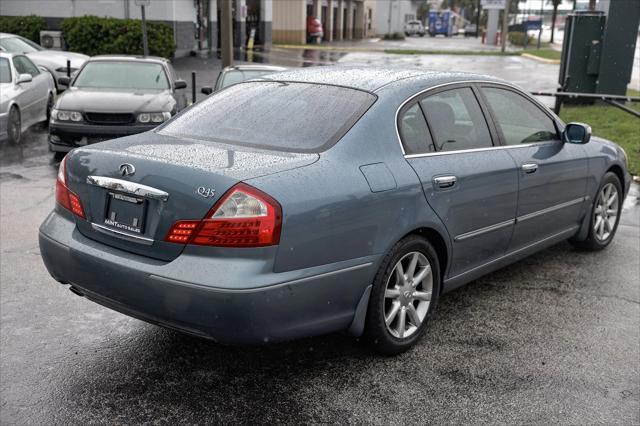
555, 3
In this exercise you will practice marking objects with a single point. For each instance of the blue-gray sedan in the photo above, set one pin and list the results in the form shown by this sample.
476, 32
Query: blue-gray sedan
327, 199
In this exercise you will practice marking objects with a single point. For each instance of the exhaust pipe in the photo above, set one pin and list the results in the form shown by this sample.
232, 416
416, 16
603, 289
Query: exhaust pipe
76, 291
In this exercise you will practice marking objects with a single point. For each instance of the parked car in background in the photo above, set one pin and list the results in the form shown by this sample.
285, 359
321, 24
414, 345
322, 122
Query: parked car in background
54, 61
112, 96
26, 95
471, 30
414, 27
239, 73
315, 32
327, 199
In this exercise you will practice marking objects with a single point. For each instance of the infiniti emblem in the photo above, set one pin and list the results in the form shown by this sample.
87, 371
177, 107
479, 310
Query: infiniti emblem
127, 169
206, 192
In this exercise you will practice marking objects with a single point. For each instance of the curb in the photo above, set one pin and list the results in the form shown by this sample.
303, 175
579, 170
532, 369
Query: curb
539, 59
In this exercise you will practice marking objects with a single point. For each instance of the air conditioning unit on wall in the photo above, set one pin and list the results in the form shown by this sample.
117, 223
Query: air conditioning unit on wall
51, 40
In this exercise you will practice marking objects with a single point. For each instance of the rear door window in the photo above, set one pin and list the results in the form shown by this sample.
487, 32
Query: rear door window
414, 131
284, 116
456, 120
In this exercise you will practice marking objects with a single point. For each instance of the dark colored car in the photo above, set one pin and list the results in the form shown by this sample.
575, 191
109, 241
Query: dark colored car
113, 96
327, 199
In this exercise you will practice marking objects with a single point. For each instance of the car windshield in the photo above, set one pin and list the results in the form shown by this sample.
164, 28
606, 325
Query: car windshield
122, 75
283, 116
236, 76
5, 71
18, 45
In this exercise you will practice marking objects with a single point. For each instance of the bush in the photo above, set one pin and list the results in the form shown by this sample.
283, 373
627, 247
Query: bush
92, 35
25, 26
393, 36
517, 39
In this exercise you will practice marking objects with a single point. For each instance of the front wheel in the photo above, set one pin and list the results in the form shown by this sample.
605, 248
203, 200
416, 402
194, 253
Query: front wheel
605, 214
14, 126
404, 294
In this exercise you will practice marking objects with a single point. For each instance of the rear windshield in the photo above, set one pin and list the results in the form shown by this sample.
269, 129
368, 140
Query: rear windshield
122, 75
283, 116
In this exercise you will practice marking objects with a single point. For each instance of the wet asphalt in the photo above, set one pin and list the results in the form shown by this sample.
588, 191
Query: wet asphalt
554, 338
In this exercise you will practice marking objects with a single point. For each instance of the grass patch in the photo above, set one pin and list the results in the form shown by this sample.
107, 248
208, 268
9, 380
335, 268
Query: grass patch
544, 53
611, 123
450, 52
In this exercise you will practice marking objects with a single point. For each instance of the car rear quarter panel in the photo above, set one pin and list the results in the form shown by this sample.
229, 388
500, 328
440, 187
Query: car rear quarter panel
330, 211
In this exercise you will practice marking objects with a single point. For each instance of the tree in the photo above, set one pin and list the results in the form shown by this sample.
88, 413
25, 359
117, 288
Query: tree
555, 3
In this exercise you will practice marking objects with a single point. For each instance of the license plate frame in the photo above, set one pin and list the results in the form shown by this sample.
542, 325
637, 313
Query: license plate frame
125, 212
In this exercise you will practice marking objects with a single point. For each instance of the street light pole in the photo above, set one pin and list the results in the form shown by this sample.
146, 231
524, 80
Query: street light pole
505, 25
145, 44
226, 40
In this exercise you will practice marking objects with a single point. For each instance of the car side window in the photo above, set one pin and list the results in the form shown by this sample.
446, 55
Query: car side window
456, 120
25, 66
414, 131
520, 120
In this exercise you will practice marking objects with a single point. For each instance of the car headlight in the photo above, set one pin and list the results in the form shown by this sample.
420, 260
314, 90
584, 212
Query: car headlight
62, 115
153, 117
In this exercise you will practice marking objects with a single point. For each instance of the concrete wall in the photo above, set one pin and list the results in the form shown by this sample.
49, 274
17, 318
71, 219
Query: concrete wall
289, 21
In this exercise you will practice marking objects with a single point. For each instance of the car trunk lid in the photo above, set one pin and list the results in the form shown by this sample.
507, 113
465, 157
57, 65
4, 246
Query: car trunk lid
133, 189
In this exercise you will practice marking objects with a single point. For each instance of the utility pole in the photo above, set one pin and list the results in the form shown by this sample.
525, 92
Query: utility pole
477, 17
505, 25
145, 44
226, 36
390, 11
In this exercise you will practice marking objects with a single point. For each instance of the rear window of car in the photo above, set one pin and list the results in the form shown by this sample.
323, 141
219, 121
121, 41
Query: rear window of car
283, 116
236, 76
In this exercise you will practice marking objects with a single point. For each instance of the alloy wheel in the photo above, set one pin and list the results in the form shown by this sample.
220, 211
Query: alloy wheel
606, 212
408, 295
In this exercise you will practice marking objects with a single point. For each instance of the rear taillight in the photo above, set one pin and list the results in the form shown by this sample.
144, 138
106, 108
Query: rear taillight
243, 217
64, 196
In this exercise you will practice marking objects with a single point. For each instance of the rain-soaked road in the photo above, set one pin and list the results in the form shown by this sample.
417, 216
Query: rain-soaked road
554, 338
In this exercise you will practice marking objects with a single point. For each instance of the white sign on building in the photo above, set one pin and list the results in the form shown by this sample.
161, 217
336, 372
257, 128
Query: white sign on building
492, 4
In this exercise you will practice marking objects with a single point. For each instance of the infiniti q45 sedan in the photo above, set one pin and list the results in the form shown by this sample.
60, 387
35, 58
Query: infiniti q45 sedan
324, 200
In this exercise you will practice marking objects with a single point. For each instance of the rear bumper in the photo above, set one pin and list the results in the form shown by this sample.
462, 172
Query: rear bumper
65, 137
205, 296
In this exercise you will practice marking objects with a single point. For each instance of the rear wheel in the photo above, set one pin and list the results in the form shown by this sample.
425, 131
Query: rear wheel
14, 125
405, 292
605, 214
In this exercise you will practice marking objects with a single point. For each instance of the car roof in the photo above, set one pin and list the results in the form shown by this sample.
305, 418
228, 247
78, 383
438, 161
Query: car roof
6, 35
372, 79
129, 58
254, 67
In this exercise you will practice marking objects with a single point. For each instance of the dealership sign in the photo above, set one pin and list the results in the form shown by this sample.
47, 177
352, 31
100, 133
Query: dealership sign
493, 4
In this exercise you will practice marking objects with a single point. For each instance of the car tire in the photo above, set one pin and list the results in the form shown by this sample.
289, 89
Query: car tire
400, 308
50, 102
604, 215
14, 125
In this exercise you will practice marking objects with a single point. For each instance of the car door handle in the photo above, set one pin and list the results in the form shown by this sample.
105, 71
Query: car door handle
445, 181
529, 167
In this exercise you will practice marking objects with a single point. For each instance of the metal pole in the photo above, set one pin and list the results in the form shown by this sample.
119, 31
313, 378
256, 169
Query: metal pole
390, 11
145, 46
193, 86
477, 18
226, 39
68, 68
505, 25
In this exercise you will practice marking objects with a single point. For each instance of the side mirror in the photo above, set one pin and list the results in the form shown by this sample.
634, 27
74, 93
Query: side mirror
24, 78
64, 81
577, 133
180, 84
206, 90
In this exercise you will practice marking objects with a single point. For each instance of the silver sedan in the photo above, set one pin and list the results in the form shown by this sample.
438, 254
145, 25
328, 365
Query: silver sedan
26, 95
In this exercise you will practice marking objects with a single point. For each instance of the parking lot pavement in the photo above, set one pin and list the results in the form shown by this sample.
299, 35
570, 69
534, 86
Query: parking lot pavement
553, 338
